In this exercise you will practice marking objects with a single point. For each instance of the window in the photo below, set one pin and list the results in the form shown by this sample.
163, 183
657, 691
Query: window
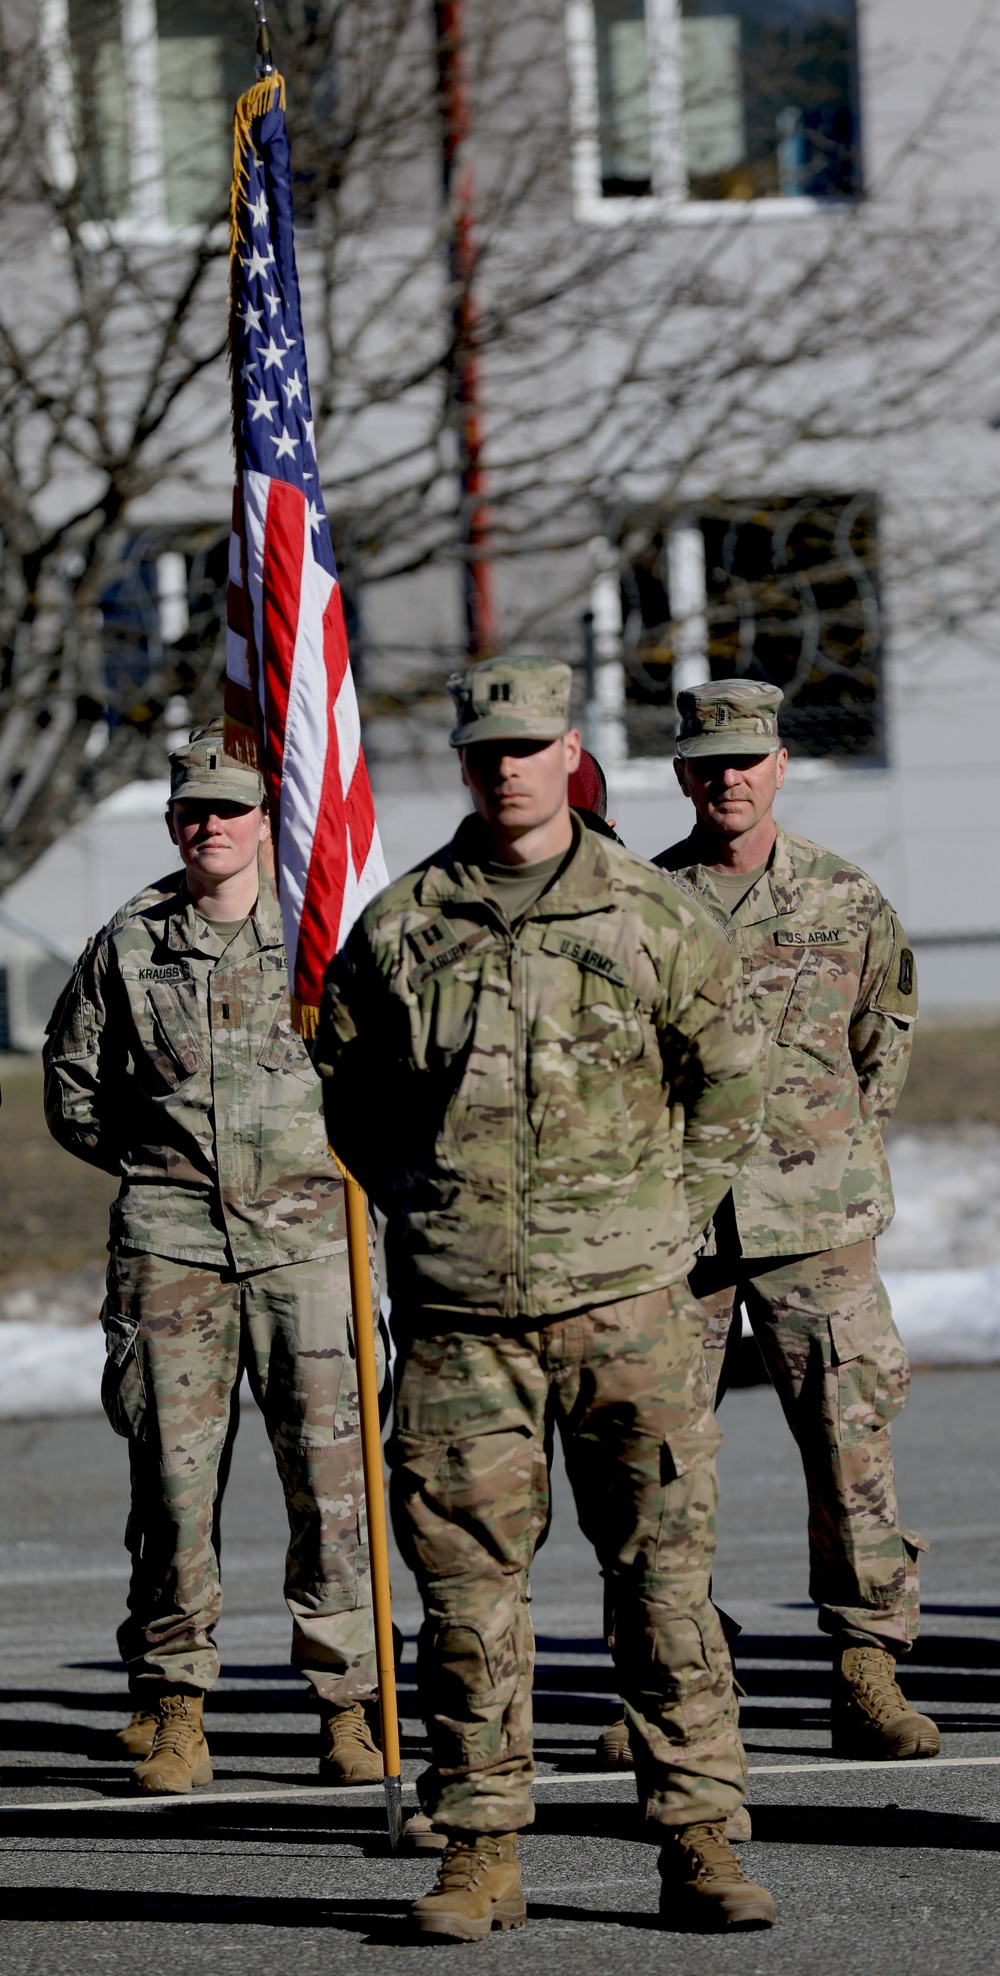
623, 98
769, 98
154, 84
163, 620
719, 100
789, 593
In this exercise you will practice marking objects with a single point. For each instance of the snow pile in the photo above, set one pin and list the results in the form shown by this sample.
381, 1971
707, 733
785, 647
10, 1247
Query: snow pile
947, 1316
947, 1188
72, 1298
50, 1369
940, 1260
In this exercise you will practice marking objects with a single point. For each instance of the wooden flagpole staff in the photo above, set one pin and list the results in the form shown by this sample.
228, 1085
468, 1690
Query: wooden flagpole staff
357, 1217
378, 1539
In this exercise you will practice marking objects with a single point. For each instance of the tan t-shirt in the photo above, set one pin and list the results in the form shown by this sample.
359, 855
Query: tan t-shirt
733, 886
516, 888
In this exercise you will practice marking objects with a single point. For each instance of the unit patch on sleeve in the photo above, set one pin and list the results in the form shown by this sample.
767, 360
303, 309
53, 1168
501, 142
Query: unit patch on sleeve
905, 982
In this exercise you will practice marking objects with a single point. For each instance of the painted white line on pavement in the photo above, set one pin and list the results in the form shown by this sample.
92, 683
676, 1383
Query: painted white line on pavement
339, 1794
901, 1766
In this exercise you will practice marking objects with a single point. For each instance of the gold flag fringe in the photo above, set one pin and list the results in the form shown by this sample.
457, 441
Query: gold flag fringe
256, 103
305, 1020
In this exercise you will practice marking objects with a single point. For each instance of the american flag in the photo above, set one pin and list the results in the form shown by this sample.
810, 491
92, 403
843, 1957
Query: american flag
290, 701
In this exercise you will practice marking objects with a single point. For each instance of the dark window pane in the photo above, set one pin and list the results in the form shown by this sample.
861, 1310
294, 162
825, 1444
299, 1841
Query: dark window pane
770, 98
793, 597
206, 59
97, 61
623, 97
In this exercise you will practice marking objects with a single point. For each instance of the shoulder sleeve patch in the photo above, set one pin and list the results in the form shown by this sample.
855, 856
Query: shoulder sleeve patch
897, 995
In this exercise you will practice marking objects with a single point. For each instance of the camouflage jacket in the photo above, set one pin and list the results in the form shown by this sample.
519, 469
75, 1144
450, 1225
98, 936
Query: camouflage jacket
547, 1116
832, 979
171, 1061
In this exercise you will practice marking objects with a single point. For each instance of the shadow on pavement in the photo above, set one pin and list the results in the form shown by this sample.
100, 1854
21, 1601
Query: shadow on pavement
866, 1826
105, 1905
787, 1678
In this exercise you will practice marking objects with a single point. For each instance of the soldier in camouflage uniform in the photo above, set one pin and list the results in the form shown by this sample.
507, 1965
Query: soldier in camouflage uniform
171, 1061
561, 1044
828, 971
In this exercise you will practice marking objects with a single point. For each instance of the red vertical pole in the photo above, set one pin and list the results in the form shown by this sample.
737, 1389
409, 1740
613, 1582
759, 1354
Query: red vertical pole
466, 378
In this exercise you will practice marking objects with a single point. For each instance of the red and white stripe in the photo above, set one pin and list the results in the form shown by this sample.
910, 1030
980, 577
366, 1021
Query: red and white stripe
289, 683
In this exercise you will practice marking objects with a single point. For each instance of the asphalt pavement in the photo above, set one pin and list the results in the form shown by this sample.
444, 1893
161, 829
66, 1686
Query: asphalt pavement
880, 1869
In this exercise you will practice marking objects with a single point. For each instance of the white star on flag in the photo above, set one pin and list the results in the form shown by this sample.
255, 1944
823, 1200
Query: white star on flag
292, 388
272, 355
272, 301
313, 512
252, 317
255, 265
246, 371
287, 447
259, 210
310, 430
263, 406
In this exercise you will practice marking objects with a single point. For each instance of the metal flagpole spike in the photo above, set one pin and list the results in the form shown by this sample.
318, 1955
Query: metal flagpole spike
265, 66
394, 1810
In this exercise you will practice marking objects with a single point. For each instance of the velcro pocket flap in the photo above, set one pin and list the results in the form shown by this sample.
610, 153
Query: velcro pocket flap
175, 1008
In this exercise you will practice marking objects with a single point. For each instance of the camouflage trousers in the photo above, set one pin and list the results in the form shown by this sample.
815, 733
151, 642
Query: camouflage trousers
178, 1337
470, 1483
840, 1370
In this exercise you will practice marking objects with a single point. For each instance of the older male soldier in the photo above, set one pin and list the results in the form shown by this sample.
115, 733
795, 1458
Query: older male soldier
538, 1059
828, 970
171, 1062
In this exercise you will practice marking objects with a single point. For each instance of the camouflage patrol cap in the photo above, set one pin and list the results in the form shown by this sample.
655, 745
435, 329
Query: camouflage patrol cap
510, 700
203, 772
729, 717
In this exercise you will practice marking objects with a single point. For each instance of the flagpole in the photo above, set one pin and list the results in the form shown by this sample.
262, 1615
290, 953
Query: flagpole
368, 1389
265, 65
378, 1538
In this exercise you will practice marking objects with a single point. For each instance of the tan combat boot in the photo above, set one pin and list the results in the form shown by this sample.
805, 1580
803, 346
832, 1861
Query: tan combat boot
869, 1715
348, 1753
419, 1835
136, 1738
705, 1889
614, 1753
179, 1757
612, 1747
478, 1888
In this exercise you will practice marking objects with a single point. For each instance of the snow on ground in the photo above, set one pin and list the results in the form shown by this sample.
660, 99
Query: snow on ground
947, 1188
940, 1260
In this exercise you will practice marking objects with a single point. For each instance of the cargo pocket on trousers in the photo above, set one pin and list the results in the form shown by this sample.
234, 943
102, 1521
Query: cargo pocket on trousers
123, 1395
870, 1368
671, 1679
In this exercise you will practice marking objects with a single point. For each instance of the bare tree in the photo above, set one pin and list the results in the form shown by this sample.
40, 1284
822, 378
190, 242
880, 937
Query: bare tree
628, 375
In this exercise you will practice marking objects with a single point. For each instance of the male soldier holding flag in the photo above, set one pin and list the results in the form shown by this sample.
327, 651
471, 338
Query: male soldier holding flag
171, 1062
538, 1060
